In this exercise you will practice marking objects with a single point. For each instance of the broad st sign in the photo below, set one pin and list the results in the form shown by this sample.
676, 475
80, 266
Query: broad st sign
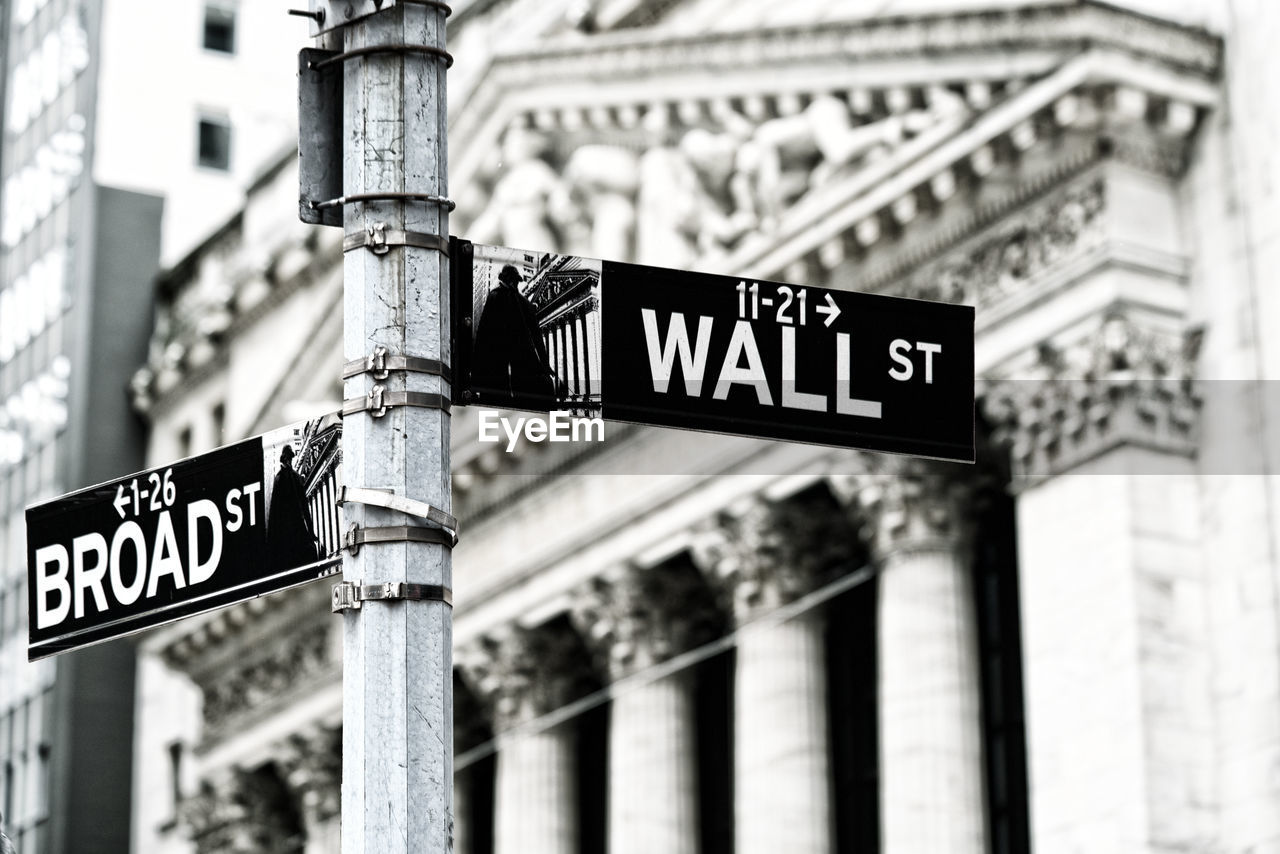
717, 353
251, 518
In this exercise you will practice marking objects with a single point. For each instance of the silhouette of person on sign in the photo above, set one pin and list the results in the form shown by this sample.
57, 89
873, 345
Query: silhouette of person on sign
291, 538
6, 845
510, 363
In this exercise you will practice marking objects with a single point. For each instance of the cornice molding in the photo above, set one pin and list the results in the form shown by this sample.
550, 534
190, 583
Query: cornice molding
1063, 28
268, 675
201, 314
635, 69
1090, 100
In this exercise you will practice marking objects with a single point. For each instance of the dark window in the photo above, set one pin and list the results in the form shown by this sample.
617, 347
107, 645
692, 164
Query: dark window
220, 28
219, 424
214, 150
1000, 645
713, 705
175, 775
853, 703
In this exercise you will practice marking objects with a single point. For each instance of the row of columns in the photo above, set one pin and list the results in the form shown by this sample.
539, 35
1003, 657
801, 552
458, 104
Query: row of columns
911, 517
915, 520
574, 358
323, 501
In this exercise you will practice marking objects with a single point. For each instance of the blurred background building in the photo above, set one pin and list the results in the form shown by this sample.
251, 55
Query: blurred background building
130, 130
685, 643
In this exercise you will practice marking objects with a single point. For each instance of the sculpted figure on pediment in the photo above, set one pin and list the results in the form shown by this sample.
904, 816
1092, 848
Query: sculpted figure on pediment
669, 209
603, 181
530, 205
706, 191
692, 198
788, 156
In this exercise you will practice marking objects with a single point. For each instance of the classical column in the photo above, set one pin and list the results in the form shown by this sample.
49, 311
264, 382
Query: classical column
915, 516
1120, 664
593, 363
522, 674
584, 374
634, 619
311, 765
782, 795
562, 333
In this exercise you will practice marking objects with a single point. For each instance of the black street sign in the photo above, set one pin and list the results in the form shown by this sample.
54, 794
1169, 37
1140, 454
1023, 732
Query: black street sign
724, 354
251, 518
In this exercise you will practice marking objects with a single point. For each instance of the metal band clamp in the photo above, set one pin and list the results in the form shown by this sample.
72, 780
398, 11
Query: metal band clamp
357, 536
382, 362
379, 400
391, 501
378, 239
438, 52
384, 197
348, 595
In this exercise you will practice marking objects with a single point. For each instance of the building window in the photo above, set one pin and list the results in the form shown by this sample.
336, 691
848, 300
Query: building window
220, 28
214, 143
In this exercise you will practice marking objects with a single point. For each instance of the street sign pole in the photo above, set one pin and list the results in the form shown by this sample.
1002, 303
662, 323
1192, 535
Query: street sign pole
397, 742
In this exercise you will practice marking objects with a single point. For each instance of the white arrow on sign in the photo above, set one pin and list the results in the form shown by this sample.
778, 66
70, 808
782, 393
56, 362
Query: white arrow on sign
122, 500
831, 310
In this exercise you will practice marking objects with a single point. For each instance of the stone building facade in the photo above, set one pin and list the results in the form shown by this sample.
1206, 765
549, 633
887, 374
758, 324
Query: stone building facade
686, 643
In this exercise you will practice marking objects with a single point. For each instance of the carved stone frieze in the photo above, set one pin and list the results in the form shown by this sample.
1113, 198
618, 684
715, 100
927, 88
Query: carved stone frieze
633, 618
1122, 384
1002, 263
311, 764
710, 175
521, 673
224, 284
767, 554
265, 674
243, 811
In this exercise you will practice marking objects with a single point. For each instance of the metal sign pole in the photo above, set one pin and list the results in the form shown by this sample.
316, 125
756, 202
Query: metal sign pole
397, 742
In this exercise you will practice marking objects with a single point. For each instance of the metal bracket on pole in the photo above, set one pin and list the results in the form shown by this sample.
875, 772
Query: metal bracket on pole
382, 362
379, 400
391, 501
329, 15
348, 595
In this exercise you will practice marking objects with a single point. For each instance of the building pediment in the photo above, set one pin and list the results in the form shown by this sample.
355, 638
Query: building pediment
966, 157
788, 150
